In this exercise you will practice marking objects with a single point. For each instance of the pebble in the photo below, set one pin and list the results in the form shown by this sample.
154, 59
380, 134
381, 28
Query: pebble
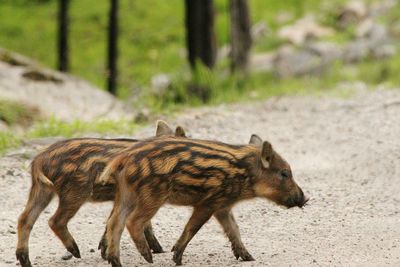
67, 256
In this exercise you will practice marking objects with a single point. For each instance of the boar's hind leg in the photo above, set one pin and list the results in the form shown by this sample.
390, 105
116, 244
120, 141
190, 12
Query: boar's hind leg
103, 242
137, 221
199, 217
231, 229
39, 197
67, 208
151, 239
123, 206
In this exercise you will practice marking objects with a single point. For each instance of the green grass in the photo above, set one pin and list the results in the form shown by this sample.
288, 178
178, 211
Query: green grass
8, 140
77, 128
13, 113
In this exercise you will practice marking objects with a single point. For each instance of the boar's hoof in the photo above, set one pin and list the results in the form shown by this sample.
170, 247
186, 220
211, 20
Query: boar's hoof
74, 250
156, 247
243, 254
103, 248
247, 257
114, 261
23, 258
177, 256
147, 256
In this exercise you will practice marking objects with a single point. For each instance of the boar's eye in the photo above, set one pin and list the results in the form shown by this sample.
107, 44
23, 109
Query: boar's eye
285, 174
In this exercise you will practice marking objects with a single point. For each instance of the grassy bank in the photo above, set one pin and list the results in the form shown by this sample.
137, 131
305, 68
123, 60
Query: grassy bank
152, 41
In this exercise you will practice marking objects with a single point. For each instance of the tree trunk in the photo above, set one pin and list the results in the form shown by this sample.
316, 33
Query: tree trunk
200, 35
63, 64
112, 48
240, 35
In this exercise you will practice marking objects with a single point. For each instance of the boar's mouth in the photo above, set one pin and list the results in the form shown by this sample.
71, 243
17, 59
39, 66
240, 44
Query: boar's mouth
298, 201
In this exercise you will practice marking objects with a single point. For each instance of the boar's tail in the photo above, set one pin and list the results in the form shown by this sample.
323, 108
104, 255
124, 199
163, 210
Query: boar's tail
37, 174
106, 177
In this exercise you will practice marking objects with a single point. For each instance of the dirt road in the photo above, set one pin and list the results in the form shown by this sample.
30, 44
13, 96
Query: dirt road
345, 153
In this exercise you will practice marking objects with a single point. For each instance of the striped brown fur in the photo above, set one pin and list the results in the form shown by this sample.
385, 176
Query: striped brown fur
69, 169
208, 175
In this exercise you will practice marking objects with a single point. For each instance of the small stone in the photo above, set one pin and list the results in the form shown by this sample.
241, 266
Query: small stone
91, 250
67, 256
12, 232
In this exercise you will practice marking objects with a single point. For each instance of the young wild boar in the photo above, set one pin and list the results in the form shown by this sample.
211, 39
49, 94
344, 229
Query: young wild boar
69, 169
209, 176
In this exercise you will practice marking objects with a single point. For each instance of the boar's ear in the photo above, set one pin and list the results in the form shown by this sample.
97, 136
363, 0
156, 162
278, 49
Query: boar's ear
163, 129
266, 154
179, 132
255, 140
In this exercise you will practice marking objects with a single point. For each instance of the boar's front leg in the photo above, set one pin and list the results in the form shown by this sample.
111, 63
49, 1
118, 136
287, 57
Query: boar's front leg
151, 239
199, 217
231, 229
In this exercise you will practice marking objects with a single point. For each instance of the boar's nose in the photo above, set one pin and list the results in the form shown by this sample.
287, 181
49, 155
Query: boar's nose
302, 199
306, 199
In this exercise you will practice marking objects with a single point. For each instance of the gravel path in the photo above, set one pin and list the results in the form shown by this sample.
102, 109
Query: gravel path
345, 154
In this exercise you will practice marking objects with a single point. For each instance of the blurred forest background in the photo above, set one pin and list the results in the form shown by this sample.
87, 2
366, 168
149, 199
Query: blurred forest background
297, 47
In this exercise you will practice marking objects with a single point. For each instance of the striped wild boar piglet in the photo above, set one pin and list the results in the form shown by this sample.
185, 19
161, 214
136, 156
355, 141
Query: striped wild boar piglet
207, 175
69, 169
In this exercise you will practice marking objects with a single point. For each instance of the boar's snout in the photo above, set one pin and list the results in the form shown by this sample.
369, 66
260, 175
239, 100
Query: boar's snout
299, 199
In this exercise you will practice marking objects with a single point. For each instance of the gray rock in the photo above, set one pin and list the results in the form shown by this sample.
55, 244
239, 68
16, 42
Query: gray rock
262, 62
329, 51
259, 30
384, 51
373, 41
378, 33
45, 141
381, 8
3, 126
363, 28
223, 52
352, 12
160, 83
302, 30
356, 51
289, 63
57, 94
